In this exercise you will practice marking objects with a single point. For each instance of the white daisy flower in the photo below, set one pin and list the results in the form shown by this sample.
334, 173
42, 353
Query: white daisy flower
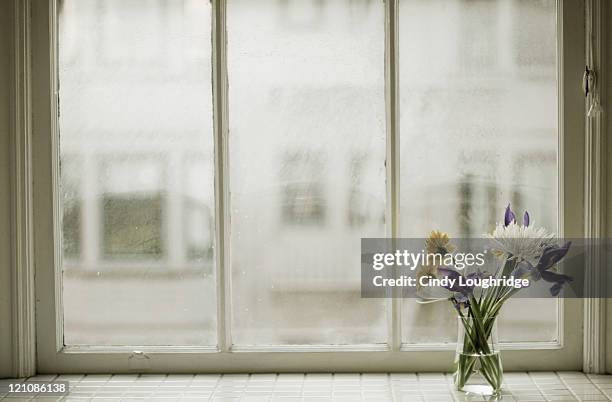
521, 242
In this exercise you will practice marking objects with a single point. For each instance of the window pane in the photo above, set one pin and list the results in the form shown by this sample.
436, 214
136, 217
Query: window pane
478, 131
307, 172
136, 148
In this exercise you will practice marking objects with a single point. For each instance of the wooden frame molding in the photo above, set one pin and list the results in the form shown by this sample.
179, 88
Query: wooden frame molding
23, 295
222, 197
594, 353
392, 99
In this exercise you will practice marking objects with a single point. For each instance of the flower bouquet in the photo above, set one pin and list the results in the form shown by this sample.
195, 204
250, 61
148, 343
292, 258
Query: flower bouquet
521, 251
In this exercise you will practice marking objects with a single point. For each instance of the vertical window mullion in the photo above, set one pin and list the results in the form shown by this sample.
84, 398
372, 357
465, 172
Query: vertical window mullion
219, 77
392, 165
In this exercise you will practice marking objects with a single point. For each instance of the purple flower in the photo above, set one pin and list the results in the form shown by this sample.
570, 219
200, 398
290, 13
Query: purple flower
509, 216
555, 289
460, 301
554, 277
550, 257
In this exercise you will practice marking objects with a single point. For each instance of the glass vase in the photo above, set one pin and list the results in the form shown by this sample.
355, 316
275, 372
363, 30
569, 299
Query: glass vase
478, 365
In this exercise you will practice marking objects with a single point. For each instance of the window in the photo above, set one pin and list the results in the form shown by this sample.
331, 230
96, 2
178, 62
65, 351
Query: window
468, 122
315, 69
219, 163
136, 112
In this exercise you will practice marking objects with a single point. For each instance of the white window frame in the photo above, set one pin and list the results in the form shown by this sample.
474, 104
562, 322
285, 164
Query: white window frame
38, 334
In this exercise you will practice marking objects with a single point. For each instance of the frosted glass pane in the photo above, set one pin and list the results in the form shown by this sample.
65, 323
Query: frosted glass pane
478, 121
137, 193
307, 171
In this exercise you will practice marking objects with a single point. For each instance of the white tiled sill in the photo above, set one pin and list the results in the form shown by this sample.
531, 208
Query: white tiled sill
535, 386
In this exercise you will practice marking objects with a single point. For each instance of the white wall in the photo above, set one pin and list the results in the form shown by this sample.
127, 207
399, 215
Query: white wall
5, 254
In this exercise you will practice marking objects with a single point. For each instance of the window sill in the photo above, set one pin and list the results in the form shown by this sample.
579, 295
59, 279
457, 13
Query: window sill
519, 386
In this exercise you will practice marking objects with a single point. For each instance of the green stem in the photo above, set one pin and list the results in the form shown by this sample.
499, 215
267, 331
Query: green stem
478, 325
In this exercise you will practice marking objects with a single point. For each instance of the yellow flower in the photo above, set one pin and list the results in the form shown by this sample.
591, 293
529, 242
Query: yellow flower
429, 271
439, 243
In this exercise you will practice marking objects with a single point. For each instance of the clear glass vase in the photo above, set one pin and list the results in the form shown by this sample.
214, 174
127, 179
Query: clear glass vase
478, 365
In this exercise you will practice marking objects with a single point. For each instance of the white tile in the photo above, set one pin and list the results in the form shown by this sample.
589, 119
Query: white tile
439, 377
70, 377
235, 377
346, 376
293, 378
166, 394
180, 378
5, 381
105, 399
45, 377
228, 394
319, 377
317, 393
593, 397
207, 378
600, 379
224, 399
96, 378
260, 388
403, 376
110, 394
123, 378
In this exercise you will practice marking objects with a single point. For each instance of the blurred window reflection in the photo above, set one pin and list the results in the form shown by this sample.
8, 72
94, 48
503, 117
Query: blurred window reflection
137, 176
71, 199
198, 209
303, 189
307, 160
315, 69
132, 204
478, 121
